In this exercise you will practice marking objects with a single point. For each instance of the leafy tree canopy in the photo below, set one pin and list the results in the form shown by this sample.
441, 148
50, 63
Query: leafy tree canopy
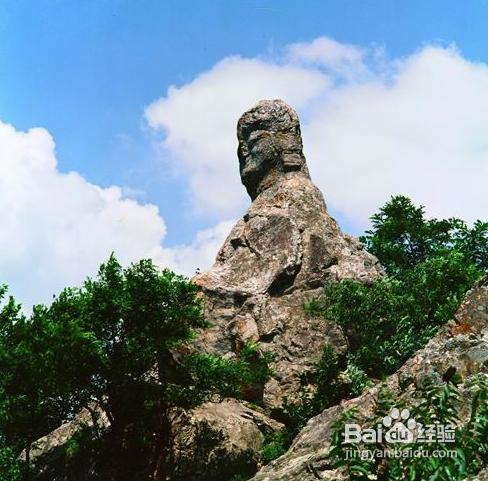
120, 342
429, 264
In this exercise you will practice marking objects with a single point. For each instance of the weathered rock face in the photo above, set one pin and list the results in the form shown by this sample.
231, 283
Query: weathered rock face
278, 256
50, 456
461, 347
270, 145
482, 476
217, 440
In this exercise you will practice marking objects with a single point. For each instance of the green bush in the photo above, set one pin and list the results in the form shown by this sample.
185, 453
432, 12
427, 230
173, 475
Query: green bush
119, 341
275, 445
440, 403
11, 469
430, 265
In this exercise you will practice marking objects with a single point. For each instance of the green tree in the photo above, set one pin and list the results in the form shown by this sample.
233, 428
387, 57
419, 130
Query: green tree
430, 264
120, 341
140, 320
401, 237
11, 469
38, 390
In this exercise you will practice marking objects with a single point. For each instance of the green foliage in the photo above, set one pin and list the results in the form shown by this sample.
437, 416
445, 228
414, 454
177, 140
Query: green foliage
438, 403
41, 382
214, 375
239, 477
11, 469
430, 265
328, 367
336, 378
359, 380
402, 238
119, 341
275, 445
358, 469
256, 362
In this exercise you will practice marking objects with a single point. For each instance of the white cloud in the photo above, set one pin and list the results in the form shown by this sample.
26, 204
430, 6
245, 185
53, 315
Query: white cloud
422, 134
199, 121
57, 228
372, 126
342, 59
200, 254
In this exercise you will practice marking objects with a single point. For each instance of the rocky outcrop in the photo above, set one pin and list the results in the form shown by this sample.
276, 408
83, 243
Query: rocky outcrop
50, 454
481, 476
461, 347
278, 256
218, 440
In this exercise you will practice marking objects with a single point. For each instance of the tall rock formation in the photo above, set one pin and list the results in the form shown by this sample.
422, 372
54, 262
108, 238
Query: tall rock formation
278, 256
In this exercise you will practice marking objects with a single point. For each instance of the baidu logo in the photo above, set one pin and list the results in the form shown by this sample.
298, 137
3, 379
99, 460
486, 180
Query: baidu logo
399, 427
400, 430
396, 427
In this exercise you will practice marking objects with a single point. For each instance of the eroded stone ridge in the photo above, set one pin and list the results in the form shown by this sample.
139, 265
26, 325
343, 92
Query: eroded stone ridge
278, 256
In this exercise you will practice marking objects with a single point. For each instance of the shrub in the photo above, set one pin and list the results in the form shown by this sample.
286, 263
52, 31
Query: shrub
437, 403
119, 341
430, 265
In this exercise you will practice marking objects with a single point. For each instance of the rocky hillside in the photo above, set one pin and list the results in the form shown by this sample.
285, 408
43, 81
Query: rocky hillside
461, 349
276, 258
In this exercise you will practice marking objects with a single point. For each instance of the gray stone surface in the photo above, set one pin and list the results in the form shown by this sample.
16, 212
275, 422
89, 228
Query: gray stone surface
275, 259
50, 450
278, 256
217, 440
481, 476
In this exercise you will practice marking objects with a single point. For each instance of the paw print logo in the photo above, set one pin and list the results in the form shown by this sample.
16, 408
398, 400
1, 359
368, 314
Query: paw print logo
401, 426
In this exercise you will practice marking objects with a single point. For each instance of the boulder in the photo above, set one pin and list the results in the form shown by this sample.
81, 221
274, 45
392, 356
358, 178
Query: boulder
218, 440
50, 454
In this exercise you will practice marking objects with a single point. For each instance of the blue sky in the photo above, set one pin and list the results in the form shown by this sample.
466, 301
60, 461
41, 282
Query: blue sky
87, 71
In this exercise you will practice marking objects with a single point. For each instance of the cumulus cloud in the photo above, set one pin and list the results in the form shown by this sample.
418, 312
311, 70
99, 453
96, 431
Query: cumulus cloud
344, 60
57, 228
200, 253
199, 123
372, 126
422, 133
